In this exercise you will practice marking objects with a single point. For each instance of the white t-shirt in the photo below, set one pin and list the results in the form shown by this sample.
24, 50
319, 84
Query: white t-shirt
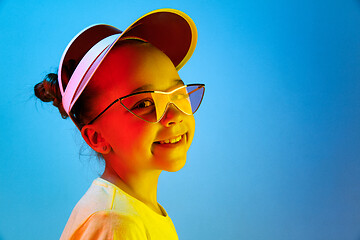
107, 212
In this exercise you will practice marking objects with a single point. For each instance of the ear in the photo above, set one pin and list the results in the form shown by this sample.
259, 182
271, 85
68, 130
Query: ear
94, 139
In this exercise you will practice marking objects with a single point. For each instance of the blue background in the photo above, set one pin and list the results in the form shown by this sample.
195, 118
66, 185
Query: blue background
277, 144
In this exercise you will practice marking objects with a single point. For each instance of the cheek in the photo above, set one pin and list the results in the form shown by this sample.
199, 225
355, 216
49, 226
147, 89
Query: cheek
128, 135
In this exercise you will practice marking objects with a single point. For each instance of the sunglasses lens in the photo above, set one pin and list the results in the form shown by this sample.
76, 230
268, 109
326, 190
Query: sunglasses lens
196, 93
188, 99
141, 105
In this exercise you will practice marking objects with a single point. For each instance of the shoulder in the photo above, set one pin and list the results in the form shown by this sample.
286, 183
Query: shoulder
99, 212
97, 198
110, 225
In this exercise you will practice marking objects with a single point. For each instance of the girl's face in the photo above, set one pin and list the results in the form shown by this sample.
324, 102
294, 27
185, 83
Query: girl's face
136, 144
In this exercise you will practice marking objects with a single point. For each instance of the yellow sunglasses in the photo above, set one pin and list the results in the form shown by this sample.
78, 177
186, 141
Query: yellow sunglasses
151, 106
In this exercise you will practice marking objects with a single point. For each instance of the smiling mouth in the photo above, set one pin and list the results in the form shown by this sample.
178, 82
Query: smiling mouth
171, 140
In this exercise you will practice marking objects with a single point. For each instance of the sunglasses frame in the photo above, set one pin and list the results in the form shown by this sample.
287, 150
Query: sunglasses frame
132, 94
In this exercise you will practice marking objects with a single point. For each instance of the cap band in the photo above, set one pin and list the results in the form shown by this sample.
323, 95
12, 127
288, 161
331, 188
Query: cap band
75, 81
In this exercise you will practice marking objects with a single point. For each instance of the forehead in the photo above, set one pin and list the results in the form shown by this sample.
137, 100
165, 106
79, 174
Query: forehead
135, 65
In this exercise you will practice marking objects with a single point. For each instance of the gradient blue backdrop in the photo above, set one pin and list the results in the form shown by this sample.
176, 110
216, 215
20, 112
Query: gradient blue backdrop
277, 144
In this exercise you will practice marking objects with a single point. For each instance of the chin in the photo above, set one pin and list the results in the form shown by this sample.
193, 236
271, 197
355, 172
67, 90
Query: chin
177, 167
174, 165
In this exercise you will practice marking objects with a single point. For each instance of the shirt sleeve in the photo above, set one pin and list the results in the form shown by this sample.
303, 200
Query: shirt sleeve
109, 225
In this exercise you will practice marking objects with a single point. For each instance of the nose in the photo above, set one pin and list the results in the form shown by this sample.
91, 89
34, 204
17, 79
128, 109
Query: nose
172, 116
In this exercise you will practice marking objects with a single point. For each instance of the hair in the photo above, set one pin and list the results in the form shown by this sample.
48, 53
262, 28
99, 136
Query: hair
48, 90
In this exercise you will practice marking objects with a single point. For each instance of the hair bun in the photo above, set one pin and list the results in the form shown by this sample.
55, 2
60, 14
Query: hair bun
48, 91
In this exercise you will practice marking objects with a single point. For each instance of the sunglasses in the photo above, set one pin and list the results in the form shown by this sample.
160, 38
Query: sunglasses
151, 106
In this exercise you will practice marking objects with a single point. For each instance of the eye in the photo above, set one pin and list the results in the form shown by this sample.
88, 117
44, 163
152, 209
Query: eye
144, 103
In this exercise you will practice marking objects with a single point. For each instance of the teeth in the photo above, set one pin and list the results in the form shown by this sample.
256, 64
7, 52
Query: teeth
173, 140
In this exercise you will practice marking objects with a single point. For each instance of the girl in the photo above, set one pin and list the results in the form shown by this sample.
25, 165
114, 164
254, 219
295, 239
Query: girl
123, 92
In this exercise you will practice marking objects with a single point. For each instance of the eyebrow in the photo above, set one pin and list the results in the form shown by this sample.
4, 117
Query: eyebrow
147, 87
144, 87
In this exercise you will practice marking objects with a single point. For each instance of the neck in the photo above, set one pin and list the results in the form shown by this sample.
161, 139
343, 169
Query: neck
142, 186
